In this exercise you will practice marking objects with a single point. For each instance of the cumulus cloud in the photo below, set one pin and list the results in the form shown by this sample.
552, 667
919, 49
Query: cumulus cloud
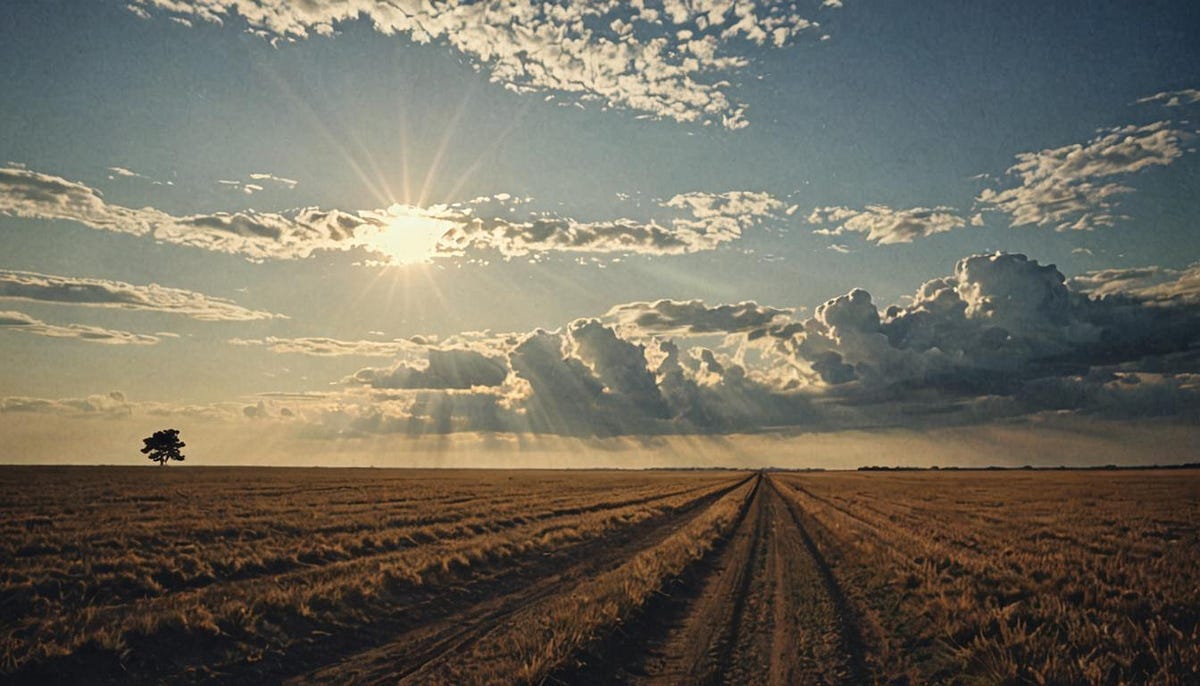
11, 320
399, 233
884, 225
999, 322
105, 293
1077, 186
1187, 96
1001, 337
667, 59
693, 317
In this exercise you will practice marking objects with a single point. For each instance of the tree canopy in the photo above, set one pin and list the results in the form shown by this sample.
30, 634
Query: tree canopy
164, 446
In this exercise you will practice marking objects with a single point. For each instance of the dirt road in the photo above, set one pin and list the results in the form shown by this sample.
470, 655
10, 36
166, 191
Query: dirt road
762, 610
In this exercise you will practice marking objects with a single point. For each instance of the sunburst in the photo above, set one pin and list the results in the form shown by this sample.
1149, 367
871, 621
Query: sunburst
410, 235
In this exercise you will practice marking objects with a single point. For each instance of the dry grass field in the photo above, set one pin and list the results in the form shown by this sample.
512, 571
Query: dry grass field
383, 576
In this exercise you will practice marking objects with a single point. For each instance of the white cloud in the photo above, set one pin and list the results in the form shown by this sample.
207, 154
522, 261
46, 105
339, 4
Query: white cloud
139, 12
278, 180
1076, 186
11, 320
26, 193
105, 293
705, 221
396, 234
1187, 96
126, 173
884, 225
624, 55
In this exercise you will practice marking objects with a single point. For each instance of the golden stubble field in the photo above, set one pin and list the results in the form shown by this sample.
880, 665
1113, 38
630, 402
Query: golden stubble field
179, 575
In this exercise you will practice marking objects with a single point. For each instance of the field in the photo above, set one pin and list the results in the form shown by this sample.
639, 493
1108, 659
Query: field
269, 575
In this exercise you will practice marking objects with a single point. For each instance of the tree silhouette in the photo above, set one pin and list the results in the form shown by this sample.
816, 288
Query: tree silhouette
163, 446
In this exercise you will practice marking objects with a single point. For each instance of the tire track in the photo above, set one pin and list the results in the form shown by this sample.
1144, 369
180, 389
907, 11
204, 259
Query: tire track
764, 608
406, 655
853, 646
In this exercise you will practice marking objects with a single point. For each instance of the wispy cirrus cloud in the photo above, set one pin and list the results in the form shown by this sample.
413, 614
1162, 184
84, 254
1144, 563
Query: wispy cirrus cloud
668, 59
1076, 187
70, 290
267, 177
702, 221
255, 182
884, 225
331, 347
11, 320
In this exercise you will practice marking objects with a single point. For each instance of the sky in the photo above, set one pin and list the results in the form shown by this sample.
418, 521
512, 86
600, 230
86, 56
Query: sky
707, 232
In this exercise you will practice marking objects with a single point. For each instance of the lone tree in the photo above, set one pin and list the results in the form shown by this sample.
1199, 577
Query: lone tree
163, 446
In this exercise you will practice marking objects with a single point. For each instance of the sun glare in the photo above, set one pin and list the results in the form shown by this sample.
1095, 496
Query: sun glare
409, 237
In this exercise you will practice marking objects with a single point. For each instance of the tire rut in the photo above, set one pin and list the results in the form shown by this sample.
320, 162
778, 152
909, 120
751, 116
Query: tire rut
762, 608
406, 653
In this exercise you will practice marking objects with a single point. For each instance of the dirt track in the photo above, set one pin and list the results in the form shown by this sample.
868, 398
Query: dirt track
599, 578
764, 609
760, 609
429, 652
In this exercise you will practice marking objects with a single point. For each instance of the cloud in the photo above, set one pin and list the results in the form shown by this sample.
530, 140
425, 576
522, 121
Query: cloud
668, 60
137, 11
256, 235
26, 193
398, 234
105, 293
1002, 338
112, 404
997, 323
1187, 96
254, 185
693, 317
1076, 186
331, 347
453, 368
704, 222
1145, 284
884, 225
19, 321
278, 180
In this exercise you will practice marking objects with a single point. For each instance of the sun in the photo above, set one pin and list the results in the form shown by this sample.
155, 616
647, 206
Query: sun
409, 235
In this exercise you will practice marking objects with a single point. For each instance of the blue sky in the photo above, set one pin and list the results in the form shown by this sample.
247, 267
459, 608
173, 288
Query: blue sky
812, 151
